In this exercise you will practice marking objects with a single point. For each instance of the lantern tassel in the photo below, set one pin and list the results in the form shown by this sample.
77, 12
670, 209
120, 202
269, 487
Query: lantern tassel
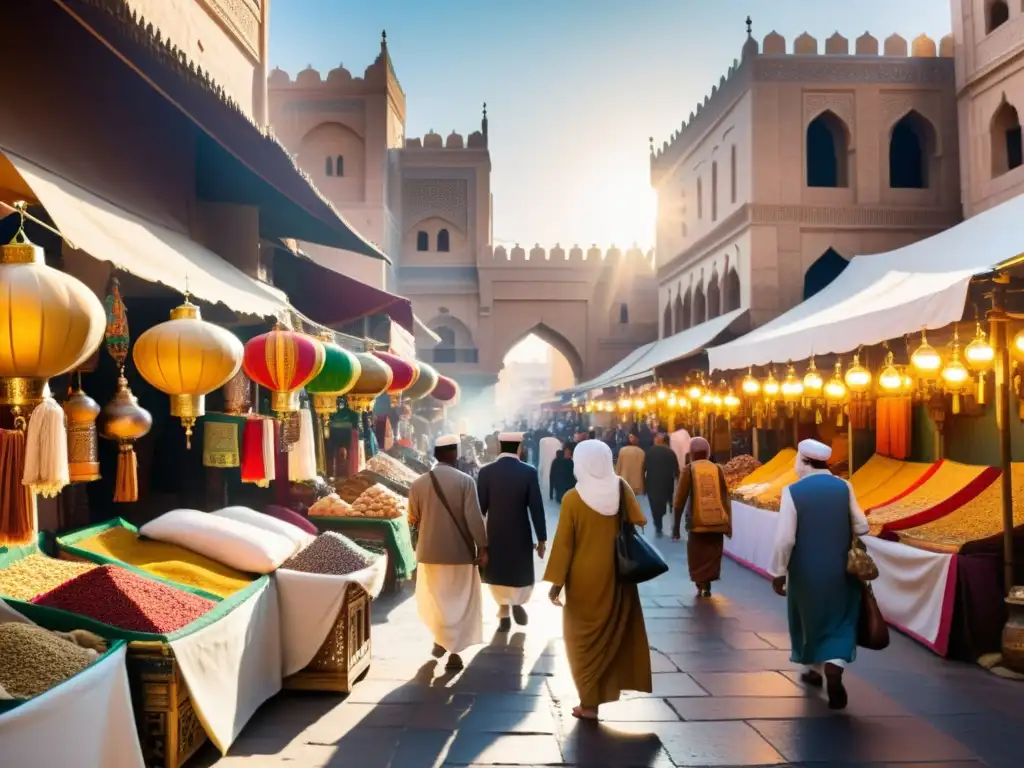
17, 526
956, 403
46, 450
126, 488
981, 388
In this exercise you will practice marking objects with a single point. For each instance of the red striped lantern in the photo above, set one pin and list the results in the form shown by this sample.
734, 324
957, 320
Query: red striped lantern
283, 361
447, 391
403, 374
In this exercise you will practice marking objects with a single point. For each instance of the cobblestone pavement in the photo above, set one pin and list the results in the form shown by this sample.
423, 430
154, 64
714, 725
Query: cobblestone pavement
725, 694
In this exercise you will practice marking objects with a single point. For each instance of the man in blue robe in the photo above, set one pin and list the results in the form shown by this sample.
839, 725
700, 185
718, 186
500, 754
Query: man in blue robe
818, 518
510, 500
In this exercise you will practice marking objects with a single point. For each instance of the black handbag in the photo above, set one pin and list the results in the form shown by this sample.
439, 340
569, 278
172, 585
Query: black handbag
636, 561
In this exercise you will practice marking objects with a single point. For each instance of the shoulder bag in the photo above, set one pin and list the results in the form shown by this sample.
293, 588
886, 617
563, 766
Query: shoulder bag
872, 631
466, 538
858, 562
636, 561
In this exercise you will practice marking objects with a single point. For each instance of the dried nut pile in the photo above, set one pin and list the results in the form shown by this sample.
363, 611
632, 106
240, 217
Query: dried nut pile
332, 554
771, 497
353, 487
31, 576
331, 506
119, 598
393, 470
168, 561
737, 468
33, 660
381, 502
950, 478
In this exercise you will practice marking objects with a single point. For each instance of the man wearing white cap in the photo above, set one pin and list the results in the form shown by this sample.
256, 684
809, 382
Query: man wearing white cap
444, 507
818, 518
510, 499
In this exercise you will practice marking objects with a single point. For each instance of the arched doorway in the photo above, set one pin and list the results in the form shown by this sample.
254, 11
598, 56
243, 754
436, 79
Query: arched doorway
911, 147
823, 271
1005, 140
684, 318
827, 151
714, 298
533, 372
731, 291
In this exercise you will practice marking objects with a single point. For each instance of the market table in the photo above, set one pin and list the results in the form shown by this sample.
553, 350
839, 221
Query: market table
915, 589
393, 534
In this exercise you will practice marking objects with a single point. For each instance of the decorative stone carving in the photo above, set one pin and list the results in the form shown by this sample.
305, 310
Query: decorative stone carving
241, 18
323, 106
841, 104
837, 70
443, 198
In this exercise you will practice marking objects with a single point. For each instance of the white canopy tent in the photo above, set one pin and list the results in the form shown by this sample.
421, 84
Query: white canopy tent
880, 297
598, 381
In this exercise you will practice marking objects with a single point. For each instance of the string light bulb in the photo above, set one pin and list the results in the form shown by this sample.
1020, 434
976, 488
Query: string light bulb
792, 387
890, 379
812, 380
858, 378
925, 360
835, 388
770, 386
750, 386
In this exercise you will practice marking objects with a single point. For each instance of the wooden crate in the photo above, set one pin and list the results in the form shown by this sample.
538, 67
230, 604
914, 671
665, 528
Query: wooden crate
169, 729
345, 655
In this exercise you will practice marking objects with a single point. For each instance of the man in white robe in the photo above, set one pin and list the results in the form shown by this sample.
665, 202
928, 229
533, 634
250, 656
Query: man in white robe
679, 442
550, 447
445, 509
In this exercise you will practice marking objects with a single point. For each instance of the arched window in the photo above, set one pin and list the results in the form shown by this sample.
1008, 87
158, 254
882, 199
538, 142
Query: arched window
1005, 139
732, 174
910, 151
422, 241
714, 191
823, 271
329, 166
997, 14
827, 151
666, 320
339, 166
700, 306
714, 297
682, 313
700, 199
731, 291
624, 314
444, 241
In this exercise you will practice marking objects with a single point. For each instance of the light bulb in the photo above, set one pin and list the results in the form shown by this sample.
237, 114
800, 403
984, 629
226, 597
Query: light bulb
638, 404
858, 378
926, 360
673, 400
812, 379
835, 389
694, 392
662, 394
731, 401
750, 386
770, 386
792, 387
890, 379
979, 352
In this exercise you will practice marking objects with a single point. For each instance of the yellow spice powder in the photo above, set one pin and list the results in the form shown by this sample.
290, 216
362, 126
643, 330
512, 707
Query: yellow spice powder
31, 576
950, 478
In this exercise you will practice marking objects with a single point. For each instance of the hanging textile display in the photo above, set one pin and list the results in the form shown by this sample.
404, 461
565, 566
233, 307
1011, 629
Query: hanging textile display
122, 419
283, 361
187, 358
17, 526
46, 449
81, 412
894, 426
258, 460
222, 440
302, 456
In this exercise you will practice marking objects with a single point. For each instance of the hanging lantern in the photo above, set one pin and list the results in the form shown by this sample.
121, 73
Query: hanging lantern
731, 401
124, 420
662, 394
81, 412
792, 387
625, 403
423, 385
925, 360
283, 361
980, 357
403, 375
238, 394
812, 380
835, 389
771, 388
750, 386
187, 358
858, 378
652, 399
339, 374
638, 405
695, 392
890, 379
955, 376
374, 380
447, 391
673, 401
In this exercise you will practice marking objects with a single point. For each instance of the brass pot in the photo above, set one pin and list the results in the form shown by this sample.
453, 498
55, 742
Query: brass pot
1013, 632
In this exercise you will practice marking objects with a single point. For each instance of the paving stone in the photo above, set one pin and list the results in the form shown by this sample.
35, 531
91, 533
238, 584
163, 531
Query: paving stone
671, 684
661, 663
746, 641
747, 684
478, 748
732, 661
678, 642
635, 710
711, 744
595, 744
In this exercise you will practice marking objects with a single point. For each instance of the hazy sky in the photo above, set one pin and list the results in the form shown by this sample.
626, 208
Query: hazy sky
573, 87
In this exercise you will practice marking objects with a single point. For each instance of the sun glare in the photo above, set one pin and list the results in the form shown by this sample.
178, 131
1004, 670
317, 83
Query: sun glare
622, 212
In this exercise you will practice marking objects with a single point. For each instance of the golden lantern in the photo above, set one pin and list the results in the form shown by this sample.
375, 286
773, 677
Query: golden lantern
81, 412
638, 405
925, 360
662, 394
124, 420
651, 399
731, 401
707, 399
812, 380
771, 388
980, 357
50, 323
835, 388
890, 379
955, 376
673, 401
625, 403
374, 379
858, 378
187, 358
792, 387
750, 386
695, 392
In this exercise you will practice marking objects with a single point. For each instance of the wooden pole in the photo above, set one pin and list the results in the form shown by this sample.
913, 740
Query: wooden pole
998, 331
849, 444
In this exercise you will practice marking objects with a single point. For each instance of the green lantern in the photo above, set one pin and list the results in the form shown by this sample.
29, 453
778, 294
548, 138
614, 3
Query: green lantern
340, 373
423, 385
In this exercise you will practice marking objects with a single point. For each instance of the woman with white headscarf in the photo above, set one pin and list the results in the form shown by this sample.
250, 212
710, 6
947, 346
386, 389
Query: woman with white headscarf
605, 637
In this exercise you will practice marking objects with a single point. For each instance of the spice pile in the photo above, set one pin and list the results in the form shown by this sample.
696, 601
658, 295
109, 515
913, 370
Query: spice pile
331, 506
737, 468
33, 660
31, 576
332, 554
380, 502
353, 487
950, 478
168, 561
392, 469
119, 598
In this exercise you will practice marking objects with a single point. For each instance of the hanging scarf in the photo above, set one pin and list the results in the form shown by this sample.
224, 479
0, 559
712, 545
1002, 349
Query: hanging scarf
269, 459
254, 468
221, 440
302, 456
17, 526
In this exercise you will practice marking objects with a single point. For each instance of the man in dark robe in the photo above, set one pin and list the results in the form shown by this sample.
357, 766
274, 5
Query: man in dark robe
510, 500
661, 468
563, 479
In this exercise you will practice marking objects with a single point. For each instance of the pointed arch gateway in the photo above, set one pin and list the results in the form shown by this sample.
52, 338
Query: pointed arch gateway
559, 342
911, 151
823, 271
827, 151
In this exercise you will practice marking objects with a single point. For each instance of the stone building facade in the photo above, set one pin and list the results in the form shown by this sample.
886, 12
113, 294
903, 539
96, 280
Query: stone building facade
804, 155
427, 202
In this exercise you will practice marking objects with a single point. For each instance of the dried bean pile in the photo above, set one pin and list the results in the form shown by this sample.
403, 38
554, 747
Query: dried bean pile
33, 660
31, 576
332, 554
122, 599
737, 468
392, 469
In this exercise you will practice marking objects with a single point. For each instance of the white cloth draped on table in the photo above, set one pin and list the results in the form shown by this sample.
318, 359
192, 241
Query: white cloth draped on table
450, 602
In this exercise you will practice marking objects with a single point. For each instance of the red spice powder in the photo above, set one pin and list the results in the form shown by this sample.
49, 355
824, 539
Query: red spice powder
125, 600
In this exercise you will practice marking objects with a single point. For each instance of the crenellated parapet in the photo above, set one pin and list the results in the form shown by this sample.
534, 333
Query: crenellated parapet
806, 59
454, 140
558, 256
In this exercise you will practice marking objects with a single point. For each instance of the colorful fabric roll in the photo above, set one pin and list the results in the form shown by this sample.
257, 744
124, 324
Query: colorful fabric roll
254, 465
221, 440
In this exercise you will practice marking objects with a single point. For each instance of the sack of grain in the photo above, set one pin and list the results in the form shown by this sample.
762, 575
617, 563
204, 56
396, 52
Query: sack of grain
33, 660
331, 553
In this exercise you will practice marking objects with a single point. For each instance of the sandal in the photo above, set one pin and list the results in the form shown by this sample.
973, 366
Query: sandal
581, 713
